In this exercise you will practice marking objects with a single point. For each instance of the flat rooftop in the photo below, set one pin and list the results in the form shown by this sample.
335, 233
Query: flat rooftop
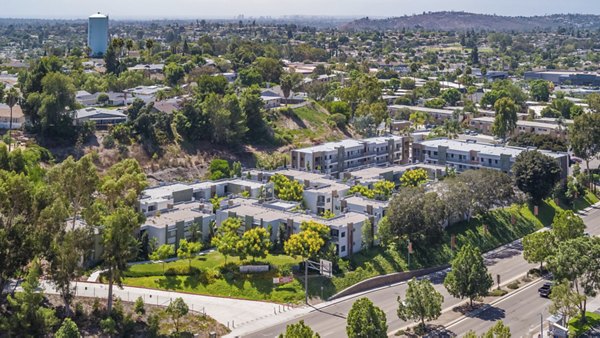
162, 191
422, 109
181, 212
483, 148
348, 143
539, 123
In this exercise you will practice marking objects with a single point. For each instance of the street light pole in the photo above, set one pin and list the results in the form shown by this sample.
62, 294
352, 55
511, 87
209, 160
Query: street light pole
541, 326
306, 281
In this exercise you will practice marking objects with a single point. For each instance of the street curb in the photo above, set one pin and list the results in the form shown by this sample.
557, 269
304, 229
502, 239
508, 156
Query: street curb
496, 301
485, 306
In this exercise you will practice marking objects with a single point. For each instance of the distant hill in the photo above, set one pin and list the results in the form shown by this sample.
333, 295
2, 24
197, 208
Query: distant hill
460, 21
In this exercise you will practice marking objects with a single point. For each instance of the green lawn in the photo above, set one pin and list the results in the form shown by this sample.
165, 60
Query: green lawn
577, 329
215, 279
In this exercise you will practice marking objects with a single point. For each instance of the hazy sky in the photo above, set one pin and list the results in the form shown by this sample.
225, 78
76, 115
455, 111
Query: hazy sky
120, 9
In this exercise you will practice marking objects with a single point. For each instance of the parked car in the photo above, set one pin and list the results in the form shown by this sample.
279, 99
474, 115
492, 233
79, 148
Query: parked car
545, 290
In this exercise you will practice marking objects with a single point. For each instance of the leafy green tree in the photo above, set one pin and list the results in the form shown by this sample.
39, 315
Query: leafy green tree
113, 66
120, 245
578, 261
139, 306
177, 309
422, 302
208, 84
366, 320
536, 174
540, 90
122, 184
299, 330
564, 301
226, 238
270, 69
287, 189
11, 98
219, 169
68, 329
567, 225
506, 117
250, 76
254, 243
163, 252
65, 254
538, 247
407, 83
174, 73
368, 237
469, 276
416, 215
29, 317
451, 96
584, 136
414, 178
76, 181
188, 250
252, 106
304, 244
236, 170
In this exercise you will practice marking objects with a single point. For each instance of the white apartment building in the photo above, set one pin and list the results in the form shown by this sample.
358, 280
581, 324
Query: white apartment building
335, 157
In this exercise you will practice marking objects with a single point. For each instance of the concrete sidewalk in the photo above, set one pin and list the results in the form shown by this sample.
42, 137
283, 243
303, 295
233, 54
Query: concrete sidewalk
228, 311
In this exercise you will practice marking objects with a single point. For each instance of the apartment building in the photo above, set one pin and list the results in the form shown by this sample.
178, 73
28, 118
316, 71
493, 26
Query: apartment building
280, 217
166, 197
472, 155
173, 225
539, 127
335, 157
438, 116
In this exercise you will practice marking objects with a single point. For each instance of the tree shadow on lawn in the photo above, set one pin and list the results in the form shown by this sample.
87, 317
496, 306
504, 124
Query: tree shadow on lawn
169, 283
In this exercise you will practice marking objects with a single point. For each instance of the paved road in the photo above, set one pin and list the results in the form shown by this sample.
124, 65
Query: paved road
330, 321
521, 311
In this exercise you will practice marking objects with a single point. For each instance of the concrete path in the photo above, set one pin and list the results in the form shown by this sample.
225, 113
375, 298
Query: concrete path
228, 311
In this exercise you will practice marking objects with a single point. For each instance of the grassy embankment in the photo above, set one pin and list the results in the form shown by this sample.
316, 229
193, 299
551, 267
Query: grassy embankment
215, 279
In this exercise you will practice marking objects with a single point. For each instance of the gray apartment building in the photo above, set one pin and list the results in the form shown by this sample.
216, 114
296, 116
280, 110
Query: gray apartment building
335, 157
472, 155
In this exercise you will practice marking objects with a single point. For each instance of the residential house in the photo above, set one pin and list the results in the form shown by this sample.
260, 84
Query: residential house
18, 118
101, 117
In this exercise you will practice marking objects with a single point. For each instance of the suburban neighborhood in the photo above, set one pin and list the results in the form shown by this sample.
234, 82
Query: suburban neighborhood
360, 171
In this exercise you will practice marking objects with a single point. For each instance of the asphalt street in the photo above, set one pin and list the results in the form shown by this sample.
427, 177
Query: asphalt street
520, 311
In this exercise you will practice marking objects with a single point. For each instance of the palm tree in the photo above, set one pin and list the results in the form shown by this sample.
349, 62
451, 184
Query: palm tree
12, 97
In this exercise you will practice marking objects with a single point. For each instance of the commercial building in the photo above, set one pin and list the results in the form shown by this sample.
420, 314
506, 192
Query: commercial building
335, 157
98, 37
565, 78
472, 155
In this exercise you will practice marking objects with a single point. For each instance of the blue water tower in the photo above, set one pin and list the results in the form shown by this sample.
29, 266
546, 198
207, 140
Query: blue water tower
98, 34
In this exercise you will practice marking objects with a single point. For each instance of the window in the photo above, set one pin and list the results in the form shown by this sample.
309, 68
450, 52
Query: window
435, 153
343, 248
496, 161
343, 234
